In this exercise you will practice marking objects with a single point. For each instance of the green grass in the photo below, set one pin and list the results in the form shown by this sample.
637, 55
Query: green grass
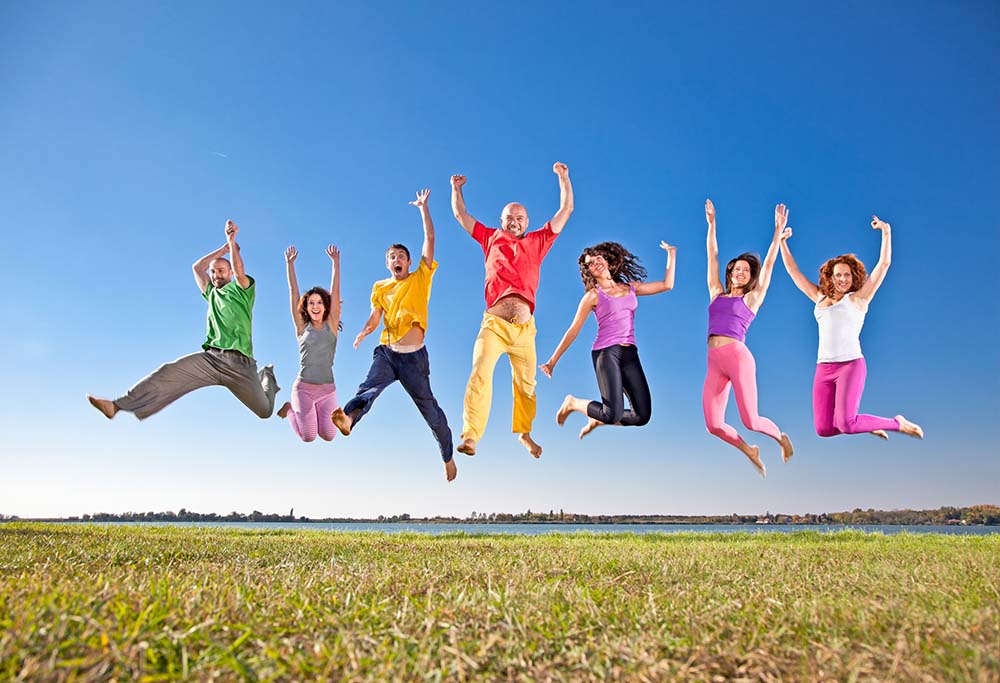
137, 603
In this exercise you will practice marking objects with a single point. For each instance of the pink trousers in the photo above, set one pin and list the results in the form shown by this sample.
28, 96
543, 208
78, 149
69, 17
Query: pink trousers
733, 364
837, 389
311, 408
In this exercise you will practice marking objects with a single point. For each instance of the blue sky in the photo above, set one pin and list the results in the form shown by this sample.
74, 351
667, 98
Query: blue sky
130, 132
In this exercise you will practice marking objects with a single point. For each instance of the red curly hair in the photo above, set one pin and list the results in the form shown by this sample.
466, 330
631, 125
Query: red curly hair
858, 274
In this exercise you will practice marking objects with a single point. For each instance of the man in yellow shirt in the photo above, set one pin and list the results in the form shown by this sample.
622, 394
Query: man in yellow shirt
402, 299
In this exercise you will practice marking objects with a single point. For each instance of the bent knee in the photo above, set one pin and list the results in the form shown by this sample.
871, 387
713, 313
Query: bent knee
308, 438
643, 420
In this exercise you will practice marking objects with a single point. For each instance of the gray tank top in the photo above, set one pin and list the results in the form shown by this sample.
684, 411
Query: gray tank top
316, 350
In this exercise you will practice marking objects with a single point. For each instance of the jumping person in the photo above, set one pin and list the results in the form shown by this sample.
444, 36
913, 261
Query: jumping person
842, 297
513, 258
612, 278
226, 358
316, 316
733, 307
401, 354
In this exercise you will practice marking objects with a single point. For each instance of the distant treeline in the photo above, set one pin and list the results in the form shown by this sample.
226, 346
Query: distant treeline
976, 514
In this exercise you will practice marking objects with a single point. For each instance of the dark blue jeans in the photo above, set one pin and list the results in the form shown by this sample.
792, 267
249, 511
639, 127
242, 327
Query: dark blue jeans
620, 374
413, 370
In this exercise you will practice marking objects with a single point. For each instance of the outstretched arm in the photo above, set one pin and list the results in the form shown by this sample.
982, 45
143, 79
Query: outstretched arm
644, 288
200, 267
370, 325
291, 253
756, 297
712, 245
333, 319
805, 285
587, 304
558, 221
877, 275
458, 204
427, 252
234, 255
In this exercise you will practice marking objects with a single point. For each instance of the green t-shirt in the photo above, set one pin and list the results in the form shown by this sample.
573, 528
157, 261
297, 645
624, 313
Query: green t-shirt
230, 313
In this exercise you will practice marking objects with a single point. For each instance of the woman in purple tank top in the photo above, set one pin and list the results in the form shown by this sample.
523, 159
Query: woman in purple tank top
612, 278
733, 307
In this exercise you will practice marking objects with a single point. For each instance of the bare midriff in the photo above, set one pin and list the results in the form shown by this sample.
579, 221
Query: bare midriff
414, 337
717, 340
511, 308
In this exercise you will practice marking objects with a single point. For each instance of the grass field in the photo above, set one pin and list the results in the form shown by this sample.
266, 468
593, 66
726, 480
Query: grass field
138, 603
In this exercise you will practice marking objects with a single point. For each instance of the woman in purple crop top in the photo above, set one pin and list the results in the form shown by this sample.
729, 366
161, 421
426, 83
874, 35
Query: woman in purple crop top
732, 309
612, 278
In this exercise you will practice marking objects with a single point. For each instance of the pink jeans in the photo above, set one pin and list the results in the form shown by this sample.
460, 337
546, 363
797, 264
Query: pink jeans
837, 389
733, 364
311, 408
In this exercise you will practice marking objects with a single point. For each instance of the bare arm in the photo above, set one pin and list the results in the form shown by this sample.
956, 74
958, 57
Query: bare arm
587, 304
291, 253
370, 325
458, 204
333, 319
874, 281
756, 297
558, 221
200, 267
805, 285
645, 288
234, 255
712, 245
427, 252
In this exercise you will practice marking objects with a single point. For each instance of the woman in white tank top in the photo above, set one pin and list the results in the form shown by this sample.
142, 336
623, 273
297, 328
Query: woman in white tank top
842, 297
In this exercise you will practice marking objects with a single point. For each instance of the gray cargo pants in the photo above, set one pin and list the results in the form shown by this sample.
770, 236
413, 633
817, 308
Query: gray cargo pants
213, 367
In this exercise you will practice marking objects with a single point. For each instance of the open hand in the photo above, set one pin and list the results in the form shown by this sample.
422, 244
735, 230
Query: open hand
357, 340
560, 169
710, 212
333, 252
231, 230
547, 368
780, 217
457, 181
878, 224
667, 247
421, 200
291, 254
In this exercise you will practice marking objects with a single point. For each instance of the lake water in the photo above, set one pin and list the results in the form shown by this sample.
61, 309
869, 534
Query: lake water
537, 529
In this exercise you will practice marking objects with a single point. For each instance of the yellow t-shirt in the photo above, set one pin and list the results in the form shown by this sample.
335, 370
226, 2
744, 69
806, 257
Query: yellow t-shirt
404, 302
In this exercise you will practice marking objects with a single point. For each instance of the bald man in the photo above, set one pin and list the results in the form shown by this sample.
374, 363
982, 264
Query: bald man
513, 261
226, 358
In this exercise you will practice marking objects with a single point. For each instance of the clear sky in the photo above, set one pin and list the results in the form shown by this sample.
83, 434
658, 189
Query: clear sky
129, 133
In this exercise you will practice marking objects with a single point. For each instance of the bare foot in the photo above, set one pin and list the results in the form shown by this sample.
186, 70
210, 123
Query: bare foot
564, 410
468, 446
754, 457
104, 405
283, 410
450, 470
341, 421
909, 428
529, 443
786, 447
591, 425
880, 433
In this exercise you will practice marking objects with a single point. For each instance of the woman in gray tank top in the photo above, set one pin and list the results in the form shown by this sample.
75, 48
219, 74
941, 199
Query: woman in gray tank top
316, 316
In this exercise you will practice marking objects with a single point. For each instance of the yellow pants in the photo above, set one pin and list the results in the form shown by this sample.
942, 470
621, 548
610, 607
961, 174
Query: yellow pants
498, 336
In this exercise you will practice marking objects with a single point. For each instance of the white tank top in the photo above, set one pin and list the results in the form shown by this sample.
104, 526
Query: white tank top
840, 331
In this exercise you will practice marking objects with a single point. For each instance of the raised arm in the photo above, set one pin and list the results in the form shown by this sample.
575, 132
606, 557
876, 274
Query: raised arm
333, 319
370, 325
756, 297
587, 304
200, 267
877, 275
427, 252
234, 255
458, 204
645, 288
712, 245
805, 285
558, 221
291, 253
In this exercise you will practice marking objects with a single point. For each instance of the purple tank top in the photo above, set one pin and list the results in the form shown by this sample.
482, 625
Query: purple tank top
729, 316
615, 319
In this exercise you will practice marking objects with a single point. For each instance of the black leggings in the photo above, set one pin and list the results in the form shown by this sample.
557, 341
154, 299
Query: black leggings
619, 372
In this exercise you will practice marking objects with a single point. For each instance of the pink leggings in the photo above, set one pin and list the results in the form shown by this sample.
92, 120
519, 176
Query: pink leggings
837, 389
733, 363
311, 408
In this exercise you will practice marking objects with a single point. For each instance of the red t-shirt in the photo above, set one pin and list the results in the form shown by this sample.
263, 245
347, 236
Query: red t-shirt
512, 264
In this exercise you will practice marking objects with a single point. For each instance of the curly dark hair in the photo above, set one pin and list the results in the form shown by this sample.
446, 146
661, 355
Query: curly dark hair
753, 261
858, 274
303, 309
623, 265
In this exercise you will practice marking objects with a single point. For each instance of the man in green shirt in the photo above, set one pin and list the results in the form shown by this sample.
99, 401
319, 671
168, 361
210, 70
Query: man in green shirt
226, 358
